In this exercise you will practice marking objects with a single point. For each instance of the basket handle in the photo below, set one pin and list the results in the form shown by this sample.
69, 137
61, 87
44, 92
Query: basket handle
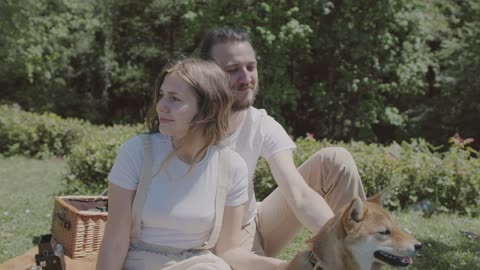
61, 215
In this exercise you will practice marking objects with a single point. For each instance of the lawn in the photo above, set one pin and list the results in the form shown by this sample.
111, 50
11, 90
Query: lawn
444, 244
29, 185
26, 201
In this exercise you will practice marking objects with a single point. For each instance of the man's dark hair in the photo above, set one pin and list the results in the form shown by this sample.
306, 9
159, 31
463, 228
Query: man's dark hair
216, 36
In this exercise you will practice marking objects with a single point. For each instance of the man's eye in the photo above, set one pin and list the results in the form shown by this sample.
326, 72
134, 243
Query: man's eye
251, 68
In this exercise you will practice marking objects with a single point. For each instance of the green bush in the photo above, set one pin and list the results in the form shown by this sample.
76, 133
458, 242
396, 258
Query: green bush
91, 160
450, 180
38, 135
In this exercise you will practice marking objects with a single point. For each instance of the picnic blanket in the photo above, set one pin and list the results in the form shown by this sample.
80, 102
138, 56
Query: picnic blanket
26, 260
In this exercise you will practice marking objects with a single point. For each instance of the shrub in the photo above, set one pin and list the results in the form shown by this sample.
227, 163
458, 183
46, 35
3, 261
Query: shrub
449, 179
91, 160
414, 171
38, 135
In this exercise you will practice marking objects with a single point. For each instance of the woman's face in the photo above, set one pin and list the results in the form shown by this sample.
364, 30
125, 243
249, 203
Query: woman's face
176, 107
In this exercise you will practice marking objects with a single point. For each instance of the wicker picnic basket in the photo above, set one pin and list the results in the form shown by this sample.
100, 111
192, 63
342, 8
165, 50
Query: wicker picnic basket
76, 224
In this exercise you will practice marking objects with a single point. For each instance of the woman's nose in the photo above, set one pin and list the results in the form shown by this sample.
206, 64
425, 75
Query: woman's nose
162, 105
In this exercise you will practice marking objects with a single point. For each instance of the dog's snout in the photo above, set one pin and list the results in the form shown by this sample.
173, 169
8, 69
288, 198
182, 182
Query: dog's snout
418, 246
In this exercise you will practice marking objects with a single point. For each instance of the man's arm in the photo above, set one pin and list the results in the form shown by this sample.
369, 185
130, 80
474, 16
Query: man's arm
308, 206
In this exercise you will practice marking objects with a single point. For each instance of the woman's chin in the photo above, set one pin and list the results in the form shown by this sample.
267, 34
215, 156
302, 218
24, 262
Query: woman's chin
172, 133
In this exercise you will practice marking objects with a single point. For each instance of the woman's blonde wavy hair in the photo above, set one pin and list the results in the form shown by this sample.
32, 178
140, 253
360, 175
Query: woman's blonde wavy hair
210, 84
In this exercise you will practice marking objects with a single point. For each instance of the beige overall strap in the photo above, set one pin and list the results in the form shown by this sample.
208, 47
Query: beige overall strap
221, 194
142, 188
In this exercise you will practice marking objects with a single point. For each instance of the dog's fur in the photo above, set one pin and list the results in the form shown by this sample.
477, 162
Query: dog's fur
361, 237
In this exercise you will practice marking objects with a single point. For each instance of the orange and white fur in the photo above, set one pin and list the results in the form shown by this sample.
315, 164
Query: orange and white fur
362, 237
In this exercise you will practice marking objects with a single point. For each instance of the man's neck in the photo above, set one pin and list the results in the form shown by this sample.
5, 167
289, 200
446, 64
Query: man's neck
236, 119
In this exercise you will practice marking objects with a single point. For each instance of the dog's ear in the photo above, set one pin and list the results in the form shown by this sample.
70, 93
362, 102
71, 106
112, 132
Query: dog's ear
380, 197
354, 214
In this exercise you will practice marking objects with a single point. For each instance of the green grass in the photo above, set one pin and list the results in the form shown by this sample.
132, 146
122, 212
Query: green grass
29, 185
26, 201
444, 246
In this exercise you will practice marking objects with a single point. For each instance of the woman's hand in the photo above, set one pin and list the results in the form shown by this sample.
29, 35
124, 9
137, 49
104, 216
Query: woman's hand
228, 245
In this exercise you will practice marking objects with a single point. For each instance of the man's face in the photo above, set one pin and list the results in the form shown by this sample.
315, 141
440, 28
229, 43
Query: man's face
238, 60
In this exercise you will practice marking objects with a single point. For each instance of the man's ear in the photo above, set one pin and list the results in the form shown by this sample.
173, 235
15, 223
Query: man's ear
354, 214
380, 197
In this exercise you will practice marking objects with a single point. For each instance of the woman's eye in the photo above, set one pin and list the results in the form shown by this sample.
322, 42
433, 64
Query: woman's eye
174, 98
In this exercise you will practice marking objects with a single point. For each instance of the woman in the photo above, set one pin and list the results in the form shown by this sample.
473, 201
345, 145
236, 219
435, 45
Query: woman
165, 211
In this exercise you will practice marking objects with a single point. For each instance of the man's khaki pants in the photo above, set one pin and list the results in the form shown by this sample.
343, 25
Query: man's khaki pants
331, 172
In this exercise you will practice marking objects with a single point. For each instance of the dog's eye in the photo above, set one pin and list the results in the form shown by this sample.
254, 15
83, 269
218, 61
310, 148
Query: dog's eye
385, 232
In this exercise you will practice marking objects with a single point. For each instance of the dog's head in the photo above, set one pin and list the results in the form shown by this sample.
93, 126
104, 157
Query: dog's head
373, 237
367, 236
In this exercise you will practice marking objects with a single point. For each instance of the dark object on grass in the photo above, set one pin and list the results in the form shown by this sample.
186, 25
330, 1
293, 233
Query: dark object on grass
424, 206
471, 235
50, 254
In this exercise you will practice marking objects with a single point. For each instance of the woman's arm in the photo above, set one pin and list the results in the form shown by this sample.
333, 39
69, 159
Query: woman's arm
116, 238
228, 244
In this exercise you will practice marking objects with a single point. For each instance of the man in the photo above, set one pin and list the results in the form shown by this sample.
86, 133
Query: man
309, 195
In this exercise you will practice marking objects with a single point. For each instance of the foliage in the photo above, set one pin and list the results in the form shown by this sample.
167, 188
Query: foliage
38, 135
450, 178
451, 102
57, 49
90, 161
414, 171
340, 69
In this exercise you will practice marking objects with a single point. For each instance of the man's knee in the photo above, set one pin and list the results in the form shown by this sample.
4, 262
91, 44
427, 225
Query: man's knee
337, 157
339, 167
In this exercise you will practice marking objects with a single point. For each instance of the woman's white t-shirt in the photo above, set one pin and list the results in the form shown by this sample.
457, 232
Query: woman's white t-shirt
179, 209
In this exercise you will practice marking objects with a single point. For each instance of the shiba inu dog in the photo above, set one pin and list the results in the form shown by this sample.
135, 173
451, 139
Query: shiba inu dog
362, 237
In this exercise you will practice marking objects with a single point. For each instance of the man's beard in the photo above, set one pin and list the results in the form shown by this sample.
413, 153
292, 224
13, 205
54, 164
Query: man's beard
240, 105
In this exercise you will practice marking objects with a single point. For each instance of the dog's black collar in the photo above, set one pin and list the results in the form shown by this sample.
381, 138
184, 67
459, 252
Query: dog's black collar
313, 260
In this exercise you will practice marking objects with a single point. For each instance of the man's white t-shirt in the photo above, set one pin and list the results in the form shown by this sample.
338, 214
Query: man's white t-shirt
258, 135
179, 209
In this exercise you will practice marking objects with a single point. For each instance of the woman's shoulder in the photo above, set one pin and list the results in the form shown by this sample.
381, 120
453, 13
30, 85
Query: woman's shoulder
135, 144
